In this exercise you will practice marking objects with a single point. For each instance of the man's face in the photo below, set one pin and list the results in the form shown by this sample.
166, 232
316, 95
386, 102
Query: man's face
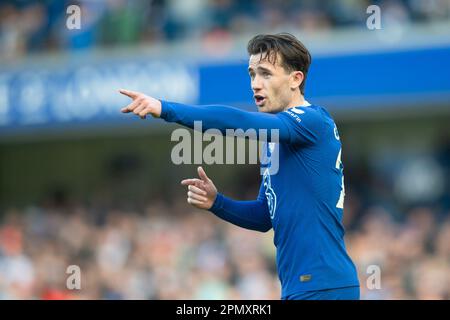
271, 84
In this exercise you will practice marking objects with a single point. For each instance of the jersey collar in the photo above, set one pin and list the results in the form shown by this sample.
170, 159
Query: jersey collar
305, 103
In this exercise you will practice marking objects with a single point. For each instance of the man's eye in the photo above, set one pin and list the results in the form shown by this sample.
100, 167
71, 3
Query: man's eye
265, 74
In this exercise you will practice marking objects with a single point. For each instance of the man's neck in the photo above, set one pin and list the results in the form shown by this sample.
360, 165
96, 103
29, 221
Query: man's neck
298, 101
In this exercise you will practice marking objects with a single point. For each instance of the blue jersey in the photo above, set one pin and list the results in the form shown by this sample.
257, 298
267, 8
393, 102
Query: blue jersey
306, 200
302, 199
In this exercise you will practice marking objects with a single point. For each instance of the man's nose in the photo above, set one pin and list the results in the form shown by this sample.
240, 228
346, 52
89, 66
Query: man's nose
256, 83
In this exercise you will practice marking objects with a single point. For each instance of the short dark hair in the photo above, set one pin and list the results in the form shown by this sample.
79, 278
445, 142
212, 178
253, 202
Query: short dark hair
293, 53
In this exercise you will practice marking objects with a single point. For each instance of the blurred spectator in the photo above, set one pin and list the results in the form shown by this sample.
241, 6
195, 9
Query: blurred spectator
29, 26
165, 253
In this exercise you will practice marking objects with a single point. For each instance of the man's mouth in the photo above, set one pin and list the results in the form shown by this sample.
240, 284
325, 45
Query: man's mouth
259, 99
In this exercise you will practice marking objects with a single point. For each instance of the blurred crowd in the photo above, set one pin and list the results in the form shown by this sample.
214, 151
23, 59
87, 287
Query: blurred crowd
162, 253
177, 252
32, 26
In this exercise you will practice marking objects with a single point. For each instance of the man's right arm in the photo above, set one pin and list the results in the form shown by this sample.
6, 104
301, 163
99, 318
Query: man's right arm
212, 116
224, 117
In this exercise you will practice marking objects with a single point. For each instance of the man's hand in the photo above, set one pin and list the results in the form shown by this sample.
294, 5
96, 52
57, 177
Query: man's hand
142, 105
201, 192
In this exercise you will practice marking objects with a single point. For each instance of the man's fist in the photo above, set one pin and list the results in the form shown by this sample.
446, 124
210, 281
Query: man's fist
201, 192
141, 105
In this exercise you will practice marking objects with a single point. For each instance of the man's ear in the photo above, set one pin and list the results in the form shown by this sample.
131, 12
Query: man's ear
297, 78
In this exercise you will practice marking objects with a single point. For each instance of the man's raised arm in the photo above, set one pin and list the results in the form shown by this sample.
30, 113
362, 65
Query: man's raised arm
212, 116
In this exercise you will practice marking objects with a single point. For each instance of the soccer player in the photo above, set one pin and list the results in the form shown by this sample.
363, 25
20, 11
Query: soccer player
304, 200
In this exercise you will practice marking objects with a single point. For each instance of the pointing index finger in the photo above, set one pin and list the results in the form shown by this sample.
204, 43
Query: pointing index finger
187, 182
129, 93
